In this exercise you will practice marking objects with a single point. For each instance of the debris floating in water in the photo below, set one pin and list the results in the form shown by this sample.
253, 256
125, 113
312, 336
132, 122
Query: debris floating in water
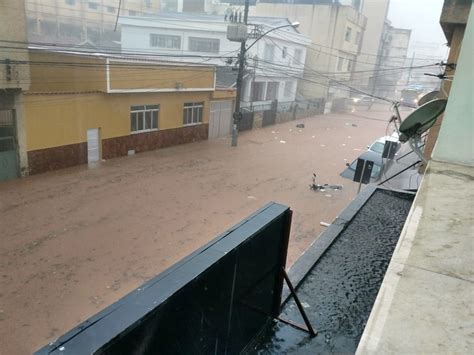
283, 142
317, 187
251, 197
300, 125
322, 145
324, 224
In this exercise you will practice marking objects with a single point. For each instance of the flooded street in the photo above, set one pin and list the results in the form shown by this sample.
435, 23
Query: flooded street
76, 240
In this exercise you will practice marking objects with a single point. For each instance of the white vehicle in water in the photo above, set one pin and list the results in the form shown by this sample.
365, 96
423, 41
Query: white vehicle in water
378, 145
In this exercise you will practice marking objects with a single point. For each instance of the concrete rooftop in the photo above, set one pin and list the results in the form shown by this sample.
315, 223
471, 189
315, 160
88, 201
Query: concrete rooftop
426, 301
425, 304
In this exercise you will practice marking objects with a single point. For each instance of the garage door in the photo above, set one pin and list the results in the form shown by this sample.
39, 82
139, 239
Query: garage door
220, 119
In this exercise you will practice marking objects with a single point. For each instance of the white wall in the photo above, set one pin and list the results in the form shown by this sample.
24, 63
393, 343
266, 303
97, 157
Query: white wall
455, 142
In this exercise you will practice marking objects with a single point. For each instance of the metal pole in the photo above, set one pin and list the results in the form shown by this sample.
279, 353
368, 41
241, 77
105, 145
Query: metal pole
402, 171
240, 74
361, 177
411, 67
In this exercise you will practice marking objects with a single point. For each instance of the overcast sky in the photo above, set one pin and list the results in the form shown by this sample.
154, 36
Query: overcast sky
422, 17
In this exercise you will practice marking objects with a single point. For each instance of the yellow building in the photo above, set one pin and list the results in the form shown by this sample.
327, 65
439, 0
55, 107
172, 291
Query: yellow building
14, 79
83, 108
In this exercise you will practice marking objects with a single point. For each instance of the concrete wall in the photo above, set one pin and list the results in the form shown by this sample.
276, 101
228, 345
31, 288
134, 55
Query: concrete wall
454, 36
455, 143
454, 13
57, 120
80, 73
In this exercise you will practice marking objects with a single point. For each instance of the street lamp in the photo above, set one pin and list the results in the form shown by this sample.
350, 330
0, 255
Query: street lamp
243, 50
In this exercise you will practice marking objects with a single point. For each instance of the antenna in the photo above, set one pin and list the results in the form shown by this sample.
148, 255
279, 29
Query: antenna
428, 97
418, 122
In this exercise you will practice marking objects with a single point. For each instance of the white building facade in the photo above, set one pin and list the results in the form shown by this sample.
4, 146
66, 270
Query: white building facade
274, 63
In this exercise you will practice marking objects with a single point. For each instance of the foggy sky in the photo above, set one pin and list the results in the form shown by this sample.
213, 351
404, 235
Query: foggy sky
422, 17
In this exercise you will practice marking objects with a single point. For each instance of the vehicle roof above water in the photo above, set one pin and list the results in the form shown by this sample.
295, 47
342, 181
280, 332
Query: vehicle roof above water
393, 138
370, 155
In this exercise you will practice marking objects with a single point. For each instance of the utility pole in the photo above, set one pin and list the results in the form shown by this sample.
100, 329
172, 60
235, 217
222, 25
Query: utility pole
411, 67
237, 115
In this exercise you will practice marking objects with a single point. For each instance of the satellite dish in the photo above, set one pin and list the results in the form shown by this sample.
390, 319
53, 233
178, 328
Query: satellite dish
418, 122
428, 97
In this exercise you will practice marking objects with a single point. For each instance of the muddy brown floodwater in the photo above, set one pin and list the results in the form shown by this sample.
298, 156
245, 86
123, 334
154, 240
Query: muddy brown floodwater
76, 240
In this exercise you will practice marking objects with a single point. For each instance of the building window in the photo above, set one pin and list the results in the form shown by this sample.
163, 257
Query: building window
257, 91
284, 52
340, 62
132, 13
349, 65
148, 3
269, 52
165, 41
357, 39
208, 45
298, 57
192, 113
70, 2
93, 5
111, 9
144, 118
288, 91
348, 34
272, 90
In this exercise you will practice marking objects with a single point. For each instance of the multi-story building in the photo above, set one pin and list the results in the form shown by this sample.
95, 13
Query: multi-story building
393, 54
336, 30
82, 107
422, 53
275, 62
86, 22
14, 80
368, 60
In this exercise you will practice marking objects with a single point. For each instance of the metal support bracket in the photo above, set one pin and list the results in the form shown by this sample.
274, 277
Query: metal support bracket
309, 328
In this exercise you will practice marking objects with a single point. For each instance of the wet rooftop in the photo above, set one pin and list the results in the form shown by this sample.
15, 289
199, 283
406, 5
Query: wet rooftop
338, 292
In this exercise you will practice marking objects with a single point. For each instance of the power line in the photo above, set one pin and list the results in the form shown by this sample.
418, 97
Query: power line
371, 54
386, 71
77, 48
355, 55
341, 83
